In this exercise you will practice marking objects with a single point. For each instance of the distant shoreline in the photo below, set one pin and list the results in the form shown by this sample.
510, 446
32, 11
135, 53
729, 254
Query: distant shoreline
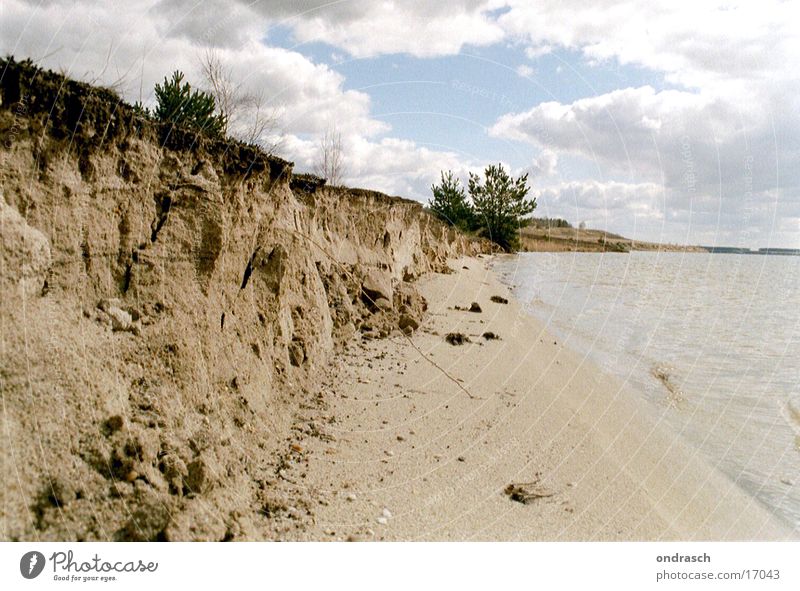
761, 251
568, 239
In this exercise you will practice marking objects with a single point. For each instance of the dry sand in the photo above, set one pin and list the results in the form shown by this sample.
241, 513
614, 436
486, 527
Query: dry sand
401, 452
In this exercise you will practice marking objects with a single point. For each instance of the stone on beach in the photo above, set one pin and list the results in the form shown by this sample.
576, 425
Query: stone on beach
456, 338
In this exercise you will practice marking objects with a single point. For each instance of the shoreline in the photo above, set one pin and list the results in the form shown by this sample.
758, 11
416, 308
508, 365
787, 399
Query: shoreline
560, 239
401, 452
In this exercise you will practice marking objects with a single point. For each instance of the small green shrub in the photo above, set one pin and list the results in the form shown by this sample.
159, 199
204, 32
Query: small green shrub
178, 104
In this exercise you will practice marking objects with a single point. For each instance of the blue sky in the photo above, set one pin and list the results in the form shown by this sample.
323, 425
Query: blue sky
450, 102
661, 121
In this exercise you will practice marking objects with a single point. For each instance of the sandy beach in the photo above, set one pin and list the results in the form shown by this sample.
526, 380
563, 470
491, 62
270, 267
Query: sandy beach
400, 451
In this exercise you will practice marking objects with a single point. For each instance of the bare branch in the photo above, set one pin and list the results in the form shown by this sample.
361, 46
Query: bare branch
330, 158
247, 114
258, 123
220, 85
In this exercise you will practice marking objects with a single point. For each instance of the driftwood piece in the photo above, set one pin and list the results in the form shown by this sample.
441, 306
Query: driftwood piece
528, 492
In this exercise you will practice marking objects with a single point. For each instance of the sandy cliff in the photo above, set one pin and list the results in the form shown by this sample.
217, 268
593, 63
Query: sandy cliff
167, 304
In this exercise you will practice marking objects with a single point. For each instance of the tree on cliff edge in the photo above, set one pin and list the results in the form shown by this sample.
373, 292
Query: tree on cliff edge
178, 104
499, 205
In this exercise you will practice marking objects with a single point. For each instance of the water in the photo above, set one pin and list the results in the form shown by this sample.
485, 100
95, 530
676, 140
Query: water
712, 342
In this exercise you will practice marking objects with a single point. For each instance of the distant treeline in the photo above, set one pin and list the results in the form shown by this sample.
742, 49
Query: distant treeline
746, 250
548, 223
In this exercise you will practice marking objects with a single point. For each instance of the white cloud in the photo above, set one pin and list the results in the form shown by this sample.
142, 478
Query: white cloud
648, 211
391, 165
544, 164
365, 28
309, 96
595, 200
538, 51
136, 46
698, 43
686, 140
213, 23
625, 130
699, 148
525, 71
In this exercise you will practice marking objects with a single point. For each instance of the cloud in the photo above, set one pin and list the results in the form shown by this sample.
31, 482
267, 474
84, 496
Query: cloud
525, 71
594, 201
699, 44
534, 52
544, 164
365, 28
211, 23
391, 165
133, 47
651, 212
627, 131
695, 146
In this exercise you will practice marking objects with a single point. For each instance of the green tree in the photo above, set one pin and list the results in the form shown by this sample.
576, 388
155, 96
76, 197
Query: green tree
450, 203
178, 104
499, 205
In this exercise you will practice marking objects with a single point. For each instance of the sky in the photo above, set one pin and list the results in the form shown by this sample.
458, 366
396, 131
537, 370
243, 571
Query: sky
663, 121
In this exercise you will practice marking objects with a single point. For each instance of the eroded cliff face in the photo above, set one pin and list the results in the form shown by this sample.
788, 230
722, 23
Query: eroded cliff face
166, 305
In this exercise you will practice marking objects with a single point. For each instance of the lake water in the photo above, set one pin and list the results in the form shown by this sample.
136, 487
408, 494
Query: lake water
712, 342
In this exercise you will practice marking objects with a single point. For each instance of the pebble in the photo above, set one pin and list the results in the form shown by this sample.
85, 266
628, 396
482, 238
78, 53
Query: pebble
400, 438
386, 513
351, 497
382, 520
462, 459
389, 453
787, 482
